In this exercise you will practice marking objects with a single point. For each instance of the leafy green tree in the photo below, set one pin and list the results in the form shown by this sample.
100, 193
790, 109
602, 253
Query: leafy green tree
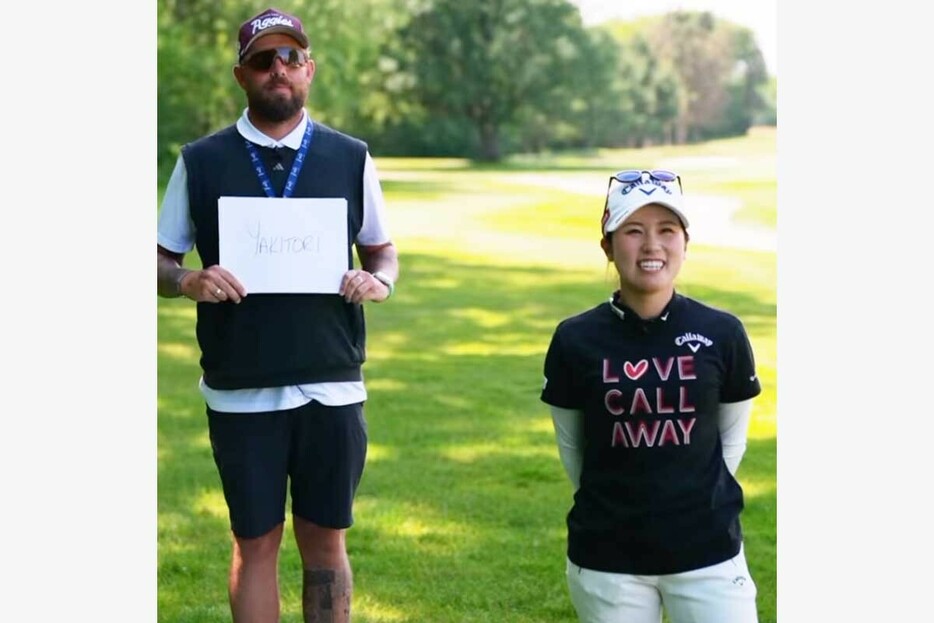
196, 90
749, 86
598, 103
768, 114
651, 93
691, 45
497, 64
720, 69
707, 75
638, 101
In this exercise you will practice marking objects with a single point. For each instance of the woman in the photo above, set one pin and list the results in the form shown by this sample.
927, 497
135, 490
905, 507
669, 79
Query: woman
650, 394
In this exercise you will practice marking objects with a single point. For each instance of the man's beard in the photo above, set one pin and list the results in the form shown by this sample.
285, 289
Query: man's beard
273, 107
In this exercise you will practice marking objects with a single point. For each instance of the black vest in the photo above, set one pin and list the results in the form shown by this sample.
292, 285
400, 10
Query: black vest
270, 340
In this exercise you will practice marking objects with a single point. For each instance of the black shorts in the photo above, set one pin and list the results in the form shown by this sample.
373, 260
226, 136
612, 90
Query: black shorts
319, 450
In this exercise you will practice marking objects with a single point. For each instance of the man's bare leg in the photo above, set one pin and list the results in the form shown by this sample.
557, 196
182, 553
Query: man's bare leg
327, 579
254, 578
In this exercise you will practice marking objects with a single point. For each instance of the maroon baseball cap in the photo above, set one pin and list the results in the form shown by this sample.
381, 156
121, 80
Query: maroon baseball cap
269, 22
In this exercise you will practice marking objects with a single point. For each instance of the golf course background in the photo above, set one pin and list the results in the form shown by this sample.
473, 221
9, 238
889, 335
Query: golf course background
460, 513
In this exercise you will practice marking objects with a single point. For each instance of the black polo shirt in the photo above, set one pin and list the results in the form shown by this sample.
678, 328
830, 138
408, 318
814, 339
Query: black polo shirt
655, 495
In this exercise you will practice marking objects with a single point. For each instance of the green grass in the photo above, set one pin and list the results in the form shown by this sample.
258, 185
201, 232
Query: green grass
460, 514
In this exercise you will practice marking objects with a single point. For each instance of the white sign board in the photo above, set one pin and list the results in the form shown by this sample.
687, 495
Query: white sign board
284, 245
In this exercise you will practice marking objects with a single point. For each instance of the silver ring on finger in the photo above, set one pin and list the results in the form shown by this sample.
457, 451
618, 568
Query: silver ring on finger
217, 292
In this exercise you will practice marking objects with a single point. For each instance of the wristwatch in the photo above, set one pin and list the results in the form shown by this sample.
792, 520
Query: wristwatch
386, 280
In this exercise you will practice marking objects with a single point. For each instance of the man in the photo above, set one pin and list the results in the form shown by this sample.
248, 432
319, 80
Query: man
281, 372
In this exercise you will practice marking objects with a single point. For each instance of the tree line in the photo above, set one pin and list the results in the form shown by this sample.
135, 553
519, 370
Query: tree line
475, 79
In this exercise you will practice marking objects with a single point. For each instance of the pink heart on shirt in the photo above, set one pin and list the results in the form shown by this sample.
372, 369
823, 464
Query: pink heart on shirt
635, 371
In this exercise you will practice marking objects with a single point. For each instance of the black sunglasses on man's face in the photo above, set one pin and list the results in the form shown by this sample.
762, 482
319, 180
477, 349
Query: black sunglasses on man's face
263, 61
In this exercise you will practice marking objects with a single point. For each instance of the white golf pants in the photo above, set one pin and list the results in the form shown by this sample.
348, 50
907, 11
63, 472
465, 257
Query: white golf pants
721, 593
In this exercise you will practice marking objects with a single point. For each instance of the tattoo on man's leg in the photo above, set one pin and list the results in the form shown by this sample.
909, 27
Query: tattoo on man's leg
323, 592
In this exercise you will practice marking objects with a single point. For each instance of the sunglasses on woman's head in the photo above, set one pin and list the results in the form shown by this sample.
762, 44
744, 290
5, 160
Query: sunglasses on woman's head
263, 61
634, 175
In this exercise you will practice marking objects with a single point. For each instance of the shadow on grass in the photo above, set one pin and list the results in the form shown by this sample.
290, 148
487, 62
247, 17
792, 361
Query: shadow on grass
460, 514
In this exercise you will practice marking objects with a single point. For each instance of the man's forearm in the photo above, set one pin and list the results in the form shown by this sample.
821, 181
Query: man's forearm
380, 259
169, 273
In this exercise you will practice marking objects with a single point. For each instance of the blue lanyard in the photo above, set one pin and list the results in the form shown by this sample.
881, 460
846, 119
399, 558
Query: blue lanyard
257, 163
